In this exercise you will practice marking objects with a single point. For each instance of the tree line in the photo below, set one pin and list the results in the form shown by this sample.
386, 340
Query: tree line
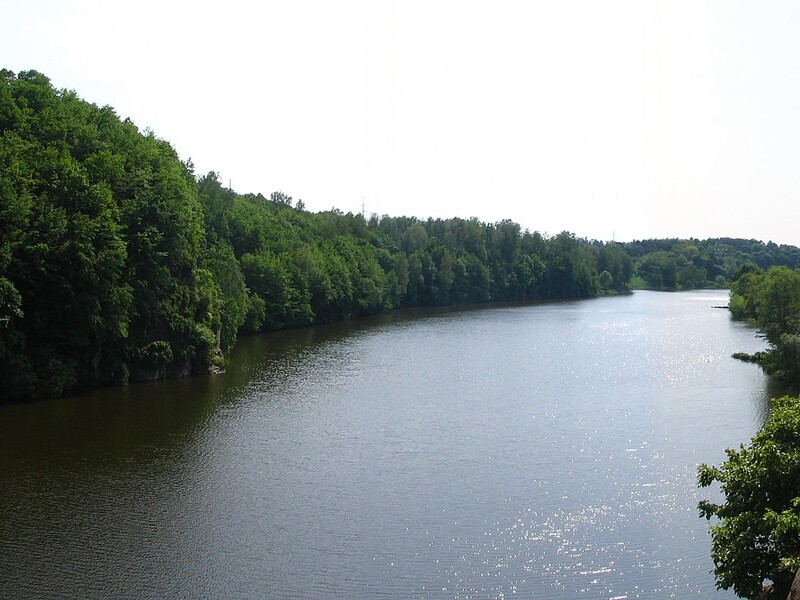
771, 300
118, 263
677, 264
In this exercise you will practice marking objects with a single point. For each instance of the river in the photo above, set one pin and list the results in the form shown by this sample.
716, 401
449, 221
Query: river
544, 451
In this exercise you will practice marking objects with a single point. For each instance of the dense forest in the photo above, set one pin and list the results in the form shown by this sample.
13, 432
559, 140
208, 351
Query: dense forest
674, 264
771, 300
118, 263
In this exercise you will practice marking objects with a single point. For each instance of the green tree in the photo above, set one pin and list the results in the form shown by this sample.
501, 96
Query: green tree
266, 275
659, 270
778, 309
605, 279
744, 292
613, 258
100, 235
756, 535
231, 295
528, 272
778, 316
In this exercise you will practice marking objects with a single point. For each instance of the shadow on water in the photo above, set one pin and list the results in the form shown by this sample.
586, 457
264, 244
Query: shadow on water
775, 389
83, 429
93, 426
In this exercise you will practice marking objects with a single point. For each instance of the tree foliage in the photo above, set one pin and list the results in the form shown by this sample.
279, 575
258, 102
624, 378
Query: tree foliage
771, 300
101, 237
675, 264
756, 535
117, 263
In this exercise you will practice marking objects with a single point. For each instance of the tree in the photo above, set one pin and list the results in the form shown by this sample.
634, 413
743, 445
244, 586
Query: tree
231, 302
659, 270
613, 259
778, 309
757, 536
267, 277
605, 280
778, 316
744, 292
100, 234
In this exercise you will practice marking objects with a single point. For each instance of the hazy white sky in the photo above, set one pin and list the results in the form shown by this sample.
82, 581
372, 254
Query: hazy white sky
619, 119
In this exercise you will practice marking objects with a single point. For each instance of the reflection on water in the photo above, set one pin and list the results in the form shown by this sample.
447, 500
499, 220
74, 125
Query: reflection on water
539, 451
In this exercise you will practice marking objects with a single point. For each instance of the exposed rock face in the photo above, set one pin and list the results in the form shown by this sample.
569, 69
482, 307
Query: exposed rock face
794, 593
172, 371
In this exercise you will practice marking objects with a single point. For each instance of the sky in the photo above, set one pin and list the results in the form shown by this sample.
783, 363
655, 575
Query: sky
610, 119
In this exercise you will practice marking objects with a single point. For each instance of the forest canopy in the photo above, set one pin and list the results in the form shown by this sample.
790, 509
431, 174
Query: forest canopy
119, 263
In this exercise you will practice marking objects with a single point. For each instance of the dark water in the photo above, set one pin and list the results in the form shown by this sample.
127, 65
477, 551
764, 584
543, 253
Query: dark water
541, 451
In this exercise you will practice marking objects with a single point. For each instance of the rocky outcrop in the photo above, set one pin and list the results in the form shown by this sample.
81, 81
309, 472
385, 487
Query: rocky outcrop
172, 371
794, 593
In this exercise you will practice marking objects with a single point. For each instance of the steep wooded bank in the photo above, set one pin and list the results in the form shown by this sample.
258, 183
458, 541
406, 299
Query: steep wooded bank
118, 264
771, 300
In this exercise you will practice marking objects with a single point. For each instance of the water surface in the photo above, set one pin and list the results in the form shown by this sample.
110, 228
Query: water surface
532, 451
